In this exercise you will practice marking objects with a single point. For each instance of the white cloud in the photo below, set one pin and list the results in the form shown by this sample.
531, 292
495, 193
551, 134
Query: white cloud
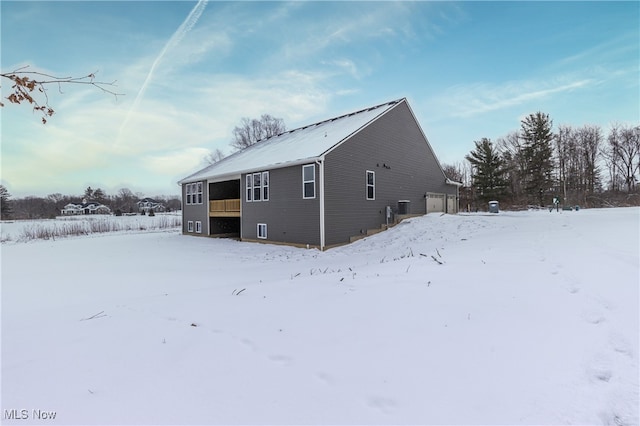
475, 99
166, 137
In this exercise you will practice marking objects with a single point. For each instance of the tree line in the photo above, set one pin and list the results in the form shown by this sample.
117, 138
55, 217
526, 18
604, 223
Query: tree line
535, 165
32, 207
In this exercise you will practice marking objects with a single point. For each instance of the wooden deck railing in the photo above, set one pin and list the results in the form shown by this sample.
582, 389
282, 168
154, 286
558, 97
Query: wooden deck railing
225, 208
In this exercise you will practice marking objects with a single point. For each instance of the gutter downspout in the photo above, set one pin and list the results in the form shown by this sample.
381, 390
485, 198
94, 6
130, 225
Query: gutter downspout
320, 163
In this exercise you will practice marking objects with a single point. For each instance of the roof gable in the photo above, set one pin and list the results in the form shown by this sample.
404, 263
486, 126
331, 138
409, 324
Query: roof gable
294, 146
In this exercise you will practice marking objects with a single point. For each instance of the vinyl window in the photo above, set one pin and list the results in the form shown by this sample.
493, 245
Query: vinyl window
190, 226
309, 181
199, 193
198, 227
262, 230
194, 193
249, 180
257, 186
265, 186
371, 185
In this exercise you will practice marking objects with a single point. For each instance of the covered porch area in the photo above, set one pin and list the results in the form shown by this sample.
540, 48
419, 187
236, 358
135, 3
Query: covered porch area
224, 209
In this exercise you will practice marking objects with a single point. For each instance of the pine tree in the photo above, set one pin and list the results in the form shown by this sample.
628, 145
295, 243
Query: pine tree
489, 171
5, 203
88, 194
538, 156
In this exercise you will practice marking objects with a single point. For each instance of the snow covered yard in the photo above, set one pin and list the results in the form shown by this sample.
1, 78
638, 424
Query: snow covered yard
511, 318
64, 226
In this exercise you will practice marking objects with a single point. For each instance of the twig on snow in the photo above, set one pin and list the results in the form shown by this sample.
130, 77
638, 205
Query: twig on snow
100, 314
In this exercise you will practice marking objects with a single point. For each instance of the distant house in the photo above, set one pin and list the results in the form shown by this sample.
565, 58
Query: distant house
91, 207
147, 204
324, 184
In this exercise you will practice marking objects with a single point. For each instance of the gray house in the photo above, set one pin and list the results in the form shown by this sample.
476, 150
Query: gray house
322, 185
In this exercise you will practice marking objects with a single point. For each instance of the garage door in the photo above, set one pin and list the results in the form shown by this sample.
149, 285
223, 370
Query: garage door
452, 204
435, 203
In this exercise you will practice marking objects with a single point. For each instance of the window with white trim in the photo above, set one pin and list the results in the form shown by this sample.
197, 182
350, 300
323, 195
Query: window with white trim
257, 186
190, 226
265, 186
249, 179
262, 230
371, 185
309, 181
194, 193
198, 227
188, 193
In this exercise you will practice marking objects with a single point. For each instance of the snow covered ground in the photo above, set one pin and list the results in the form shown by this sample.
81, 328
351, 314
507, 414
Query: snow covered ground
62, 226
510, 318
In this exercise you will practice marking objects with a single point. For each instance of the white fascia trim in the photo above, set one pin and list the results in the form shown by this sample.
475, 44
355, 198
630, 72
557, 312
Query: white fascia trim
320, 162
452, 182
236, 174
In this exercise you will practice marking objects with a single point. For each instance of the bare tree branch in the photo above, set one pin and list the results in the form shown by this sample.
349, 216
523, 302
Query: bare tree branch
28, 86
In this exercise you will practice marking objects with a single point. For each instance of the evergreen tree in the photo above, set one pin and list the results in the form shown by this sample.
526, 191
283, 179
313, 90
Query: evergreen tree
538, 156
88, 194
489, 171
5, 203
99, 195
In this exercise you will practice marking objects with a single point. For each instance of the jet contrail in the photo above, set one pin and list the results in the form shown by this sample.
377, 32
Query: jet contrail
182, 30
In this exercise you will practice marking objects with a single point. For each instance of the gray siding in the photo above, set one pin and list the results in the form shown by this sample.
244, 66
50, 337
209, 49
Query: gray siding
195, 212
405, 169
288, 216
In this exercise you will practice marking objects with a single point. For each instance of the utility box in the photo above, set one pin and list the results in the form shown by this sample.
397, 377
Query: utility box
494, 207
404, 207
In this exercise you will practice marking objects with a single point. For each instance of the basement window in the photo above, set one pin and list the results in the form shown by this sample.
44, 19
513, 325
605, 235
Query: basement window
198, 227
262, 230
190, 226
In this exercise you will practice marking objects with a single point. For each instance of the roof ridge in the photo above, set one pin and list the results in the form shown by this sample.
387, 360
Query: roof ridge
334, 118
255, 153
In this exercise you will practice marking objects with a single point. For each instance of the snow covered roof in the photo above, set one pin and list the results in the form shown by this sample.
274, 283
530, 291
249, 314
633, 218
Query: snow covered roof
83, 204
294, 146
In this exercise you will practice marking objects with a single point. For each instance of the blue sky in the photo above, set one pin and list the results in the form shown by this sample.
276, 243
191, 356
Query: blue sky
191, 70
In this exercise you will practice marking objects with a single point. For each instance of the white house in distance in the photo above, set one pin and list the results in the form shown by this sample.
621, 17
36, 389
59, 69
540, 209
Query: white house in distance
148, 204
91, 207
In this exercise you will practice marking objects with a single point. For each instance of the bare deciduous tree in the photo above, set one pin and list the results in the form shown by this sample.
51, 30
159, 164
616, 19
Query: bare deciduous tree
623, 154
214, 156
252, 131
